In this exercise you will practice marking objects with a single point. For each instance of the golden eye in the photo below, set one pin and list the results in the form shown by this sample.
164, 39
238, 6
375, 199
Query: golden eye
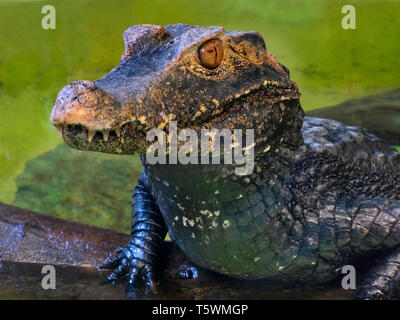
211, 53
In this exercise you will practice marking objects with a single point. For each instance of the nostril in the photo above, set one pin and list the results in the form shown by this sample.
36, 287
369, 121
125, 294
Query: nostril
78, 102
88, 84
77, 89
82, 87
74, 91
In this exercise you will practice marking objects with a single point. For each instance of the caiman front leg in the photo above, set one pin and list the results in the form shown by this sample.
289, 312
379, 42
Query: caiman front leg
138, 261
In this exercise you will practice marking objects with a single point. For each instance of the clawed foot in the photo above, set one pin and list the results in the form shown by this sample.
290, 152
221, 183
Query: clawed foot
370, 293
134, 265
188, 272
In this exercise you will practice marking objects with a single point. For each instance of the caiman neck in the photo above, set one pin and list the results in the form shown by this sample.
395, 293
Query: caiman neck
208, 187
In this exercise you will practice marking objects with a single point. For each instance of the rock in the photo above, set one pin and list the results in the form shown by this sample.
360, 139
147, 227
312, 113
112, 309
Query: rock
379, 114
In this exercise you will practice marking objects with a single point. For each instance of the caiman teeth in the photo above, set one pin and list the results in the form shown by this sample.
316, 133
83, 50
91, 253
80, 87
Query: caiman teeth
105, 134
91, 134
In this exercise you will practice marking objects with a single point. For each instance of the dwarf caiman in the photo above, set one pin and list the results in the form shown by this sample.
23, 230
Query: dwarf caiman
321, 195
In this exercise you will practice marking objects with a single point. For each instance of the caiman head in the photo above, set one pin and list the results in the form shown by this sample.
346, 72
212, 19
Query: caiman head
200, 77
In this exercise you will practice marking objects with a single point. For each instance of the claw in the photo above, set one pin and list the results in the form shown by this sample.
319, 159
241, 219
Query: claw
151, 283
112, 262
132, 292
188, 272
109, 263
132, 276
118, 250
113, 276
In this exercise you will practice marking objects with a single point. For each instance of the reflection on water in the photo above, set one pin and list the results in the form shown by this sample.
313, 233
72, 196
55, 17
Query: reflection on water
89, 187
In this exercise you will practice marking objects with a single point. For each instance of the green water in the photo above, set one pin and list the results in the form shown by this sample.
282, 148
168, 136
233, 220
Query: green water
329, 63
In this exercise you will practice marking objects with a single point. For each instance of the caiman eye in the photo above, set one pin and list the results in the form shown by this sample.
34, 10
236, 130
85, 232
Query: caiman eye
211, 53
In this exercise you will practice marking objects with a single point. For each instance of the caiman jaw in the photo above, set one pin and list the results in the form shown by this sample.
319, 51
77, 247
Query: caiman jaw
64, 130
88, 118
126, 139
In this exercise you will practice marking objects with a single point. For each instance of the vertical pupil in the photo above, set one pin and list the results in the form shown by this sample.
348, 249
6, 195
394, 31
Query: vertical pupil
211, 53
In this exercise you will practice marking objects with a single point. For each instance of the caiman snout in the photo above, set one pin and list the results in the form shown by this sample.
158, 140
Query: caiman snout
81, 104
67, 108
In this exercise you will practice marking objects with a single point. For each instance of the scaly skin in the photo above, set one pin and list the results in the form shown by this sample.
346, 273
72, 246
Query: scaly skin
322, 195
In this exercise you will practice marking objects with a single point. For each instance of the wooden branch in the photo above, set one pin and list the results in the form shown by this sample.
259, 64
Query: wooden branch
29, 240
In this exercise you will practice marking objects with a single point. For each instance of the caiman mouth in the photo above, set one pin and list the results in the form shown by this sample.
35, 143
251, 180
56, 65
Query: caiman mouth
126, 139
91, 135
95, 135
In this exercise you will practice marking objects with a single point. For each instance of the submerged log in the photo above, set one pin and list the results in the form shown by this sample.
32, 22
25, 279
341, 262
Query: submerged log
379, 114
30, 240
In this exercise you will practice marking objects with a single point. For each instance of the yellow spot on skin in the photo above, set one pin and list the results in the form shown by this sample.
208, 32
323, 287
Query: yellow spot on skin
142, 119
166, 118
226, 224
198, 113
203, 108
216, 102
237, 96
162, 124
